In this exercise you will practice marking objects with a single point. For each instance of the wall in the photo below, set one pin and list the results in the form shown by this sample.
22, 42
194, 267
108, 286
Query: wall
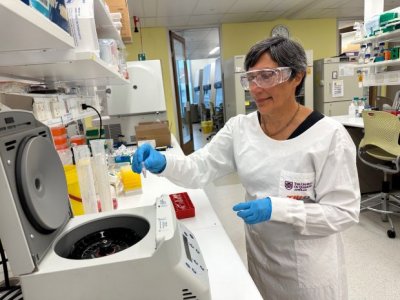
317, 34
156, 46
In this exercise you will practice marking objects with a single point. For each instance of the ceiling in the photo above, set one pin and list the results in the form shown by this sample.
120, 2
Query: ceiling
183, 16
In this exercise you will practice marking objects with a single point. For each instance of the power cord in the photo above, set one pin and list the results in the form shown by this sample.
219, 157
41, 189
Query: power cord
8, 292
5, 268
15, 293
85, 106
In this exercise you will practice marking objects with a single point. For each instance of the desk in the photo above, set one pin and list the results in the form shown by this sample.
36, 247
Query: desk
228, 276
349, 121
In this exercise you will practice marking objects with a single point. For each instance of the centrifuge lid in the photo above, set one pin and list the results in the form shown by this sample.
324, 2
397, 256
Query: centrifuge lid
41, 184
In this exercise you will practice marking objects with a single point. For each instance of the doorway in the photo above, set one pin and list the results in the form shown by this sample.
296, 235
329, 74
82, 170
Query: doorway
204, 81
181, 83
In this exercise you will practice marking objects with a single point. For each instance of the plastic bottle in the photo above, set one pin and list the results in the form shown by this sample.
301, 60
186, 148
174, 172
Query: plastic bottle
381, 47
360, 107
369, 49
367, 58
387, 54
352, 110
355, 103
361, 55
359, 27
366, 105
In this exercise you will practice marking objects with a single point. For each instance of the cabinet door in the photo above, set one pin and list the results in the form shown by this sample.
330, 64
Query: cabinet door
336, 108
344, 76
143, 94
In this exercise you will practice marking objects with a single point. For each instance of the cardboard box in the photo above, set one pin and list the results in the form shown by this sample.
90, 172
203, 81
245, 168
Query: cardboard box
158, 131
121, 6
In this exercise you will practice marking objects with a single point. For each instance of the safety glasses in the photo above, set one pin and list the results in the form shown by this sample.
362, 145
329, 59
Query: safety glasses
265, 78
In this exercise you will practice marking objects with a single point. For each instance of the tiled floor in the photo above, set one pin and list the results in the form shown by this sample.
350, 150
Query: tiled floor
373, 260
199, 138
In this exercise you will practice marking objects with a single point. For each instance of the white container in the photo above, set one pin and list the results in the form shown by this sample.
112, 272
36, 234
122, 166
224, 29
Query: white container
41, 108
85, 178
57, 108
352, 110
82, 25
100, 171
116, 16
109, 52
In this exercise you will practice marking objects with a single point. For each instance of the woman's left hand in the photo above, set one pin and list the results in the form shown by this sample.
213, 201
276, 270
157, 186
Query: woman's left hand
255, 211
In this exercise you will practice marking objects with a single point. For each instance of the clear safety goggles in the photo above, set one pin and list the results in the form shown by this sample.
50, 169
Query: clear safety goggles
265, 78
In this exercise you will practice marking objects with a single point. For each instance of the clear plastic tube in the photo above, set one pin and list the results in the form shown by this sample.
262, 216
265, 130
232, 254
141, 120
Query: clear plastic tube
101, 174
85, 178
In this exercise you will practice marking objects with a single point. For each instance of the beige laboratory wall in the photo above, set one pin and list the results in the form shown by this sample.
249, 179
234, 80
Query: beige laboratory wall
317, 34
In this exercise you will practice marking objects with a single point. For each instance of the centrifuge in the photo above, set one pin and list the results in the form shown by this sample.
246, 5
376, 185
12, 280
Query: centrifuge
138, 253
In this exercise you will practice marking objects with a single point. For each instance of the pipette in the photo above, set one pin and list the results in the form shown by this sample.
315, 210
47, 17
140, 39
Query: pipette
143, 169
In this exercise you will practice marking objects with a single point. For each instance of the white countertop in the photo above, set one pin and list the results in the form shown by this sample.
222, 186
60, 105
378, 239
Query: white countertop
349, 121
229, 278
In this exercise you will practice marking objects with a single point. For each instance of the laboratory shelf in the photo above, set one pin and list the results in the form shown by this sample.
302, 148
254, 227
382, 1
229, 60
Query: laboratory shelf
75, 69
392, 36
104, 25
381, 79
68, 118
24, 29
384, 63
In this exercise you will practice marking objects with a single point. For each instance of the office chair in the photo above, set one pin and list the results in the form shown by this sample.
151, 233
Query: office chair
380, 149
396, 101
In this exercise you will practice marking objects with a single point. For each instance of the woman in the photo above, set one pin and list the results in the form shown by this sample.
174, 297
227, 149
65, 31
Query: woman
299, 172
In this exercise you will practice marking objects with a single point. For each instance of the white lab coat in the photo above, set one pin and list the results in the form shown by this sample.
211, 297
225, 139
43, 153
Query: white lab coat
313, 184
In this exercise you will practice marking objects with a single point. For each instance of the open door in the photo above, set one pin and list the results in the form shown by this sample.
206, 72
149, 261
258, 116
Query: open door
182, 92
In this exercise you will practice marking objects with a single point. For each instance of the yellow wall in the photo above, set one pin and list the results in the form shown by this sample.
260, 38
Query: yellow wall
156, 46
236, 39
316, 34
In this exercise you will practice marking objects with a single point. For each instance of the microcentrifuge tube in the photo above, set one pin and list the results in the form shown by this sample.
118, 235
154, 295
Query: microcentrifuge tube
143, 169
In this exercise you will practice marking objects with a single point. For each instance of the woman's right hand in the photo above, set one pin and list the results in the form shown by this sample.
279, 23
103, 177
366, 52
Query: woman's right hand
153, 160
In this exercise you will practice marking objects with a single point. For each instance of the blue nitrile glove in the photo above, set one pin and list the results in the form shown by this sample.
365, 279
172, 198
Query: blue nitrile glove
255, 211
153, 160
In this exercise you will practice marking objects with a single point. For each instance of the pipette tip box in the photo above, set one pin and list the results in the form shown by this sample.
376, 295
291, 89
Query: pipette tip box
183, 205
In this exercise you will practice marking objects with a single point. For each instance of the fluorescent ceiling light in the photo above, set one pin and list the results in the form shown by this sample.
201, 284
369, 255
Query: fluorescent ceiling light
213, 51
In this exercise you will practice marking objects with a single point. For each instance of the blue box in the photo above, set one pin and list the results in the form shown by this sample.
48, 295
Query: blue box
41, 6
59, 14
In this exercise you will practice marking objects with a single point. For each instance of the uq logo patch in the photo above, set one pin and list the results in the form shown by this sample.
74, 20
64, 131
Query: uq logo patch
288, 185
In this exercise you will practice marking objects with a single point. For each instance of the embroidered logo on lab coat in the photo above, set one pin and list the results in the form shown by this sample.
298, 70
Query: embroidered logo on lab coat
298, 186
294, 185
288, 185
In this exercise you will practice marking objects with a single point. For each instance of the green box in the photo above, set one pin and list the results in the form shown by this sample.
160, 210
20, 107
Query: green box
385, 18
394, 52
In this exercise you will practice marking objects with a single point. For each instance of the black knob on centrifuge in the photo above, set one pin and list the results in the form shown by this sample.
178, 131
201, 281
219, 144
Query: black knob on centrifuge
105, 248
